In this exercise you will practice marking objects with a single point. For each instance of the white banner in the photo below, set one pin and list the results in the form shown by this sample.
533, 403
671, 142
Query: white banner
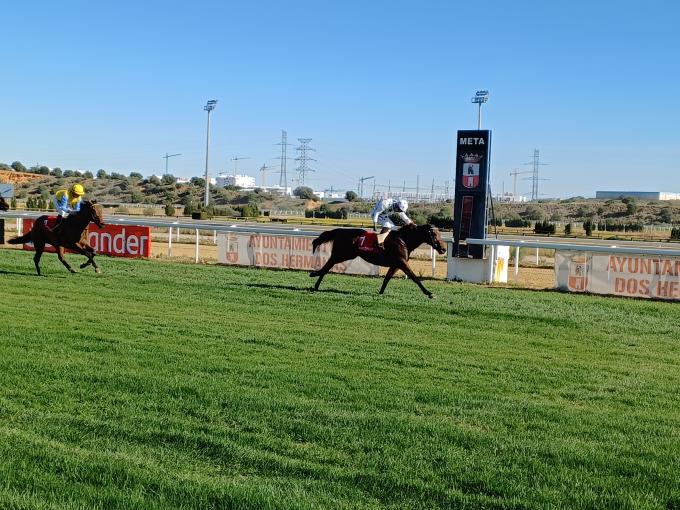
620, 275
285, 252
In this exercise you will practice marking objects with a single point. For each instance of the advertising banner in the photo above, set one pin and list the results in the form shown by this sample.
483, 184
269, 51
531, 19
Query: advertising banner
620, 275
113, 240
285, 252
472, 175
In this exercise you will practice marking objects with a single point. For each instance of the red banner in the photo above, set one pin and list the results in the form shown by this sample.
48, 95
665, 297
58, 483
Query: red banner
112, 240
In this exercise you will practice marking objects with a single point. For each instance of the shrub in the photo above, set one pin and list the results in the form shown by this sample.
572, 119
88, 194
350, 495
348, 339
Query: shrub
304, 192
588, 226
169, 209
567, 229
149, 211
351, 196
517, 223
249, 210
544, 227
675, 233
441, 221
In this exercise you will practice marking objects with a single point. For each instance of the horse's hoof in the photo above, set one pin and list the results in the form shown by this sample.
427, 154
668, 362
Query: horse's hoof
98, 271
313, 274
83, 266
73, 271
431, 296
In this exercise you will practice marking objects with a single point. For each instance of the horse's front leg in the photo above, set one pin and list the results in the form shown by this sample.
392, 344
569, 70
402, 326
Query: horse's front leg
60, 254
388, 277
88, 251
403, 265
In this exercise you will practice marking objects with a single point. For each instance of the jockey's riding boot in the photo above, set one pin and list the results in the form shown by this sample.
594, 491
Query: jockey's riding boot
381, 238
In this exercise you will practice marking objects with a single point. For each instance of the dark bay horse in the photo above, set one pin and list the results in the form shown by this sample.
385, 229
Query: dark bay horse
70, 234
347, 244
4, 206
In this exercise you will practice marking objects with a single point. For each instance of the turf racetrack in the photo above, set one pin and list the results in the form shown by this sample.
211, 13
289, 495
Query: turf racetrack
158, 385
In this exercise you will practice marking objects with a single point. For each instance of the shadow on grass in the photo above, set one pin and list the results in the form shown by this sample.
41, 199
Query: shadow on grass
298, 289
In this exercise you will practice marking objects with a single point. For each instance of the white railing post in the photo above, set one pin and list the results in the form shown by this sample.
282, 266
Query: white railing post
516, 262
170, 242
197, 246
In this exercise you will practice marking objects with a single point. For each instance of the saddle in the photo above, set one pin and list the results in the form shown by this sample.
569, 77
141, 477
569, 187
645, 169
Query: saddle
49, 222
368, 243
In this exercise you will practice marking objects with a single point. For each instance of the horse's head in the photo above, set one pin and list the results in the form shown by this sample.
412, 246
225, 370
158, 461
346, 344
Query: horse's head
3, 205
94, 212
433, 238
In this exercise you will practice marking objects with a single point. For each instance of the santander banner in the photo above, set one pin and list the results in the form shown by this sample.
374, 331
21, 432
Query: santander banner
285, 252
112, 240
621, 275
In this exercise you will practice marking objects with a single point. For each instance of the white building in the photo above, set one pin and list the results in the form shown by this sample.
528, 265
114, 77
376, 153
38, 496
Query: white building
509, 197
643, 195
242, 181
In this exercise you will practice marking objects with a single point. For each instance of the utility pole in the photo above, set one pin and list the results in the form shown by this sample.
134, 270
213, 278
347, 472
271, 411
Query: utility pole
209, 107
361, 184
236, 159
166, 157
304, 158
263, 175
432, 192
514, 175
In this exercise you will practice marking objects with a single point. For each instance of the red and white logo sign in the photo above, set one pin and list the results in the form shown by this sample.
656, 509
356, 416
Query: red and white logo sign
578, 274
128, 241
470, 175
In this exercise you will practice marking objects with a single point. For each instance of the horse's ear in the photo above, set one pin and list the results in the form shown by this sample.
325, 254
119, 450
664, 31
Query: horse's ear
93, 202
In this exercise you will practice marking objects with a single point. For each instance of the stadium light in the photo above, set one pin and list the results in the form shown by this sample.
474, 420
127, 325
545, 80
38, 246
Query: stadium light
481, 97
209, 107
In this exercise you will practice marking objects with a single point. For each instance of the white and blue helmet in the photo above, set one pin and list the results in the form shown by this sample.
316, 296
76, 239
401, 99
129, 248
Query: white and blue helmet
401, 204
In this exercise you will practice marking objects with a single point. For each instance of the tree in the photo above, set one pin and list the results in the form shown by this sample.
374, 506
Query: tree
169, 209
534, 212
136, 175
631, 205
304, 192
154, 180
116, 175
351, 196
198, 181
168, 179
101, 174
88, 175
69, 173
18, 167
666, 215
567, 229
43, 170
56, 172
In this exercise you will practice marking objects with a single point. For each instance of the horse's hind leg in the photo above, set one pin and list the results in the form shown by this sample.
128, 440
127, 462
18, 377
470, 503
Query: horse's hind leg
39, 247
325, 269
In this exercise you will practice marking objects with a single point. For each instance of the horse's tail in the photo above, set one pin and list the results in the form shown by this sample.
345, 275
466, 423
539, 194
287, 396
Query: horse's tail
26, 238
324, 238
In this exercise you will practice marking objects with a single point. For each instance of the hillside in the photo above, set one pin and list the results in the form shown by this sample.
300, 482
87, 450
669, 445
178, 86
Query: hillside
118, 189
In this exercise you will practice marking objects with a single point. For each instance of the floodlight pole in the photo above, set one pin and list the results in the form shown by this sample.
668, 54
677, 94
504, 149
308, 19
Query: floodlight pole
209, 107
481, 97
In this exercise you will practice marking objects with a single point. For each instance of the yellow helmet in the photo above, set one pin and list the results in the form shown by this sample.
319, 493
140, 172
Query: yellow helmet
77, 190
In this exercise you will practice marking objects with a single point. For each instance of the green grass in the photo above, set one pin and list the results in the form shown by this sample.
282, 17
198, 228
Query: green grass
158, 385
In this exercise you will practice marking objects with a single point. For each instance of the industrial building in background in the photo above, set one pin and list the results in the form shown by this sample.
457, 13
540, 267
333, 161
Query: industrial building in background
642, 195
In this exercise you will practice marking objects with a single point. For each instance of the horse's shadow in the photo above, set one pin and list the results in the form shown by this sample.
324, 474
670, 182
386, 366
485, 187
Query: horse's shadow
297, 289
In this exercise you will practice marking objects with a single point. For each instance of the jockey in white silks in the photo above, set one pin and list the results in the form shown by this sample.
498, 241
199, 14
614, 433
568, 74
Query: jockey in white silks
381, 215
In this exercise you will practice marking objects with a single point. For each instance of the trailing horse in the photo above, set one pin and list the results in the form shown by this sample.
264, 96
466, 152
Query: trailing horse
349, 243
70, 234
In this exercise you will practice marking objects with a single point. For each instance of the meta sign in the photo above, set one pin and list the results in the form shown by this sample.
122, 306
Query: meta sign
472, 177
113, 240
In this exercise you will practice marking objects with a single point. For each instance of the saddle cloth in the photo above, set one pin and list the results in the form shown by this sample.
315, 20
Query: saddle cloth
368, 243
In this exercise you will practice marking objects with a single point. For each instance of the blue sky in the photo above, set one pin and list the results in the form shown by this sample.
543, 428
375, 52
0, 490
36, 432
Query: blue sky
380, 87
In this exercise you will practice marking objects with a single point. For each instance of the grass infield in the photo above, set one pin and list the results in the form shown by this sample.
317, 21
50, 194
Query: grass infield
159, 385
